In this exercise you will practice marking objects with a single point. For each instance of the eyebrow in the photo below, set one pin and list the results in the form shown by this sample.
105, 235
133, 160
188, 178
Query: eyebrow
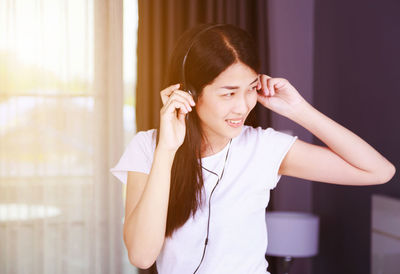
236, 87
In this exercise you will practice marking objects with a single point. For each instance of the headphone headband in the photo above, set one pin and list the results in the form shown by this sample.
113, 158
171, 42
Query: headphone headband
187, 52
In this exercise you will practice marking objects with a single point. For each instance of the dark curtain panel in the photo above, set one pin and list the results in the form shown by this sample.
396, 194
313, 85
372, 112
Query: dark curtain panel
161, 22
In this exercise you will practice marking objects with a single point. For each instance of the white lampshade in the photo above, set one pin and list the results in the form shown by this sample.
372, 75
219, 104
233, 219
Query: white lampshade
292, 234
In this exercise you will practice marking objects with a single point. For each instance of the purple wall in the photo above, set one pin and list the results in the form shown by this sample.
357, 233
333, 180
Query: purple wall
343, 57
291, 57
356, 83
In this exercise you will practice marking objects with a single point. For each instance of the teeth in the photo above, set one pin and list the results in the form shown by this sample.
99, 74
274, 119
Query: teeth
235, 122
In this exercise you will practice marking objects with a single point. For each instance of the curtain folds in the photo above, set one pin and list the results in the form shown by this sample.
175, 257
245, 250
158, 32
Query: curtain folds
60, 132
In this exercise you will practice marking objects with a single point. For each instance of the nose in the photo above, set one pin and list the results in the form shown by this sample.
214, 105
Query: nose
241, 105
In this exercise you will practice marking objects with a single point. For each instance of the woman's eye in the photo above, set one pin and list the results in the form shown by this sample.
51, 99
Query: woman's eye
228, 94
253, 89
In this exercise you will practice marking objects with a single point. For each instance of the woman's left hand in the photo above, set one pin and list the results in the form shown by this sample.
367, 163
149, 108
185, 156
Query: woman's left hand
278, 95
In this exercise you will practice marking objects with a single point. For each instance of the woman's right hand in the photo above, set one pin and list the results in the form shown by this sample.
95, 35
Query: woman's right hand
177, 104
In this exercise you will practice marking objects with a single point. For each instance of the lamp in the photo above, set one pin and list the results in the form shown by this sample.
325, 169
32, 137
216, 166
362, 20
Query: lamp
292, 235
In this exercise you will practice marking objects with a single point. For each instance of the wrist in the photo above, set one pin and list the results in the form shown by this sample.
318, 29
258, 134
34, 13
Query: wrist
165, 151
300, 112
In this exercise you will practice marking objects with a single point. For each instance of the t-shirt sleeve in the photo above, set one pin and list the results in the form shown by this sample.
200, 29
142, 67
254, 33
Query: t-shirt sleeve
278, 144
138, 156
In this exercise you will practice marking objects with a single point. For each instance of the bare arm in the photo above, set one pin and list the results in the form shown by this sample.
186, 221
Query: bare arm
348, 159
147, 198
146, 216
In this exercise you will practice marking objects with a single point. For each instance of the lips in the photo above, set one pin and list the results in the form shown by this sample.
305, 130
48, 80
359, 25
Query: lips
234, 122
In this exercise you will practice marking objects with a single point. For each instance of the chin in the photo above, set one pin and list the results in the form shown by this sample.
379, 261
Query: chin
233, 132
227, 131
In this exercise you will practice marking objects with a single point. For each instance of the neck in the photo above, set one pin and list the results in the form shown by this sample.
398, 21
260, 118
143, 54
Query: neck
209, 147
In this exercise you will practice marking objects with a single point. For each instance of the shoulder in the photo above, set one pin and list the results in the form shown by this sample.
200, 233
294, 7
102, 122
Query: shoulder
137, 156
255, 133
146, 134
252, 138
144, 137
144, 141
268, 139
249, 131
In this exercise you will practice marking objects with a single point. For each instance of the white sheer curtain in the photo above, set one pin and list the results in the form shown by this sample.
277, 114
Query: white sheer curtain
61, 101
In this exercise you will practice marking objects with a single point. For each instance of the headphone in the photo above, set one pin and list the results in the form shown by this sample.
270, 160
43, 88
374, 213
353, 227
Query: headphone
183, 77
193, 93
209, 203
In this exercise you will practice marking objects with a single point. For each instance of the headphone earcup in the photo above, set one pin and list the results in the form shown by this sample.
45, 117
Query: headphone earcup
192, 92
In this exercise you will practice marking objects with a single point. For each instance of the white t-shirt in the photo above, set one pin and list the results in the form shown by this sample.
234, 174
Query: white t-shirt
237, 240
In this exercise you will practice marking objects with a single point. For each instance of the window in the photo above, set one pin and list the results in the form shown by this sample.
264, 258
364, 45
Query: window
64, 116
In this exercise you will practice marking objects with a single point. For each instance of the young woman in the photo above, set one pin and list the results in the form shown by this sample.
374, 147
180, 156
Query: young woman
198, 185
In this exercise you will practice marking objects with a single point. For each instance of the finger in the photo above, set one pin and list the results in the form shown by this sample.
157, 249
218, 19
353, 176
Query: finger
173, 105
259, 86
186, 95
181, 117
265, 76
265, 85
165, 93
275, 83
271, 83
182, 99
281, 82
181, 102
272, 89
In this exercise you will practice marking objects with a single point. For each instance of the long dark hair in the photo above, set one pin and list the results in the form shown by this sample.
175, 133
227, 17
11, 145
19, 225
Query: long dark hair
211, 53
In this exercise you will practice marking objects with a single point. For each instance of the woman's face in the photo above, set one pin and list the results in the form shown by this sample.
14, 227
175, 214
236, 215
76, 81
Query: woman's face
224, 105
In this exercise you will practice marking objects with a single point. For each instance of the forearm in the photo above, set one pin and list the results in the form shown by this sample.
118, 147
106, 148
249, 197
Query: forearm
144, 229
342, 141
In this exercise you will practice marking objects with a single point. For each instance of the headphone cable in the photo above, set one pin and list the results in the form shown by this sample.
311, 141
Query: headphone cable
209, 204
